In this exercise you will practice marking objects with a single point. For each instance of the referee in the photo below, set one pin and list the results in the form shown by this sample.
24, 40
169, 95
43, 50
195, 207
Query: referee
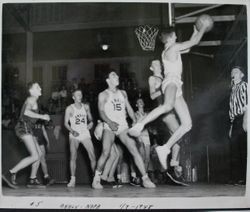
238, 128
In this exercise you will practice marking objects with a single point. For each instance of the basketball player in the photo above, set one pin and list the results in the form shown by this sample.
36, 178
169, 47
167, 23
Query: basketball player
113, 104
172, 89
78, 120
24, 131
155, 82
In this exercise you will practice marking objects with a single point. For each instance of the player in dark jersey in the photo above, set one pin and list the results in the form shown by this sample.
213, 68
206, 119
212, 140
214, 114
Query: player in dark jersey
24, 130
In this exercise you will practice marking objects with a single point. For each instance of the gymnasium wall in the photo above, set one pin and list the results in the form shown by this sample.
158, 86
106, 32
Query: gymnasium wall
85, 68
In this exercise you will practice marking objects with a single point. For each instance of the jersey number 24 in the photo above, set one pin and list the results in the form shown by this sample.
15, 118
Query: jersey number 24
79, 121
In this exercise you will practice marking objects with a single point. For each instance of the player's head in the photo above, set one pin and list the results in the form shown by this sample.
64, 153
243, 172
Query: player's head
112, 79
168, 35
34, 89
140, 103
155, 66
237, 73
77, 95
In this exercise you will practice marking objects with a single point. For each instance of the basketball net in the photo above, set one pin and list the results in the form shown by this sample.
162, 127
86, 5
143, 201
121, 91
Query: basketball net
146, 36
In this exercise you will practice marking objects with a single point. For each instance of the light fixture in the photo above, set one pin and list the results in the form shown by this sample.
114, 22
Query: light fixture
104, 47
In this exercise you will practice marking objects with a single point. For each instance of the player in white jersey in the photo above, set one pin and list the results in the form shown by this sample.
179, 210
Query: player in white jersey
174, 172
78, 120
113, 106
171, 87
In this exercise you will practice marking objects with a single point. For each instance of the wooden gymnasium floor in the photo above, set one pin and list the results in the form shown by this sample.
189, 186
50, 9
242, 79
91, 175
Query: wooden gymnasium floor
193, 190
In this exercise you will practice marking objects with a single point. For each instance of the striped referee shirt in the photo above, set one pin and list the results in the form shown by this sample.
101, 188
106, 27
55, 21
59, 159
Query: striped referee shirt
238, 100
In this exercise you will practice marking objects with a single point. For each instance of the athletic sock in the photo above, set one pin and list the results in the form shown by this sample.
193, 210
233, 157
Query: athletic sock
144, 177
97, 174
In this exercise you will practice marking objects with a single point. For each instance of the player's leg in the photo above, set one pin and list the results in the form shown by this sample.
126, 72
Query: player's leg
185, 126
33, 182
73, 145
134, 180
172, 123
109, 163
87, 143
131, 146
10, 176
169, 102
43, 161
116, 167
147, 155
108, 140
119, 164
47, 179
111, 174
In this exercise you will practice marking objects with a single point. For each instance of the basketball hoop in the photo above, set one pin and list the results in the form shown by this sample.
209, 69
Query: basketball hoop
146, 36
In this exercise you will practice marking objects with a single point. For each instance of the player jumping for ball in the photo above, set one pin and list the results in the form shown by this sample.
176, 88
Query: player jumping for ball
171, 87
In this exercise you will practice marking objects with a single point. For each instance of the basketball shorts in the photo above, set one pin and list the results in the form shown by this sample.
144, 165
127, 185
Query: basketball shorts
121, 128
176, 81
23, 128
41, 140
84, 134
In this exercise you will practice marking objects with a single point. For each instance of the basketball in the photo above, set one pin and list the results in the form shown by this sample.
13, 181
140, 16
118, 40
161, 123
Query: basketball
204, 20
98, 130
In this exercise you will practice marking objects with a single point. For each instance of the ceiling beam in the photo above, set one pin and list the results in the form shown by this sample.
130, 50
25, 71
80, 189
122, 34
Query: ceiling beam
16, 14
87, 25
219, 43
198, 11
220, 18
180, 5
210, 43
202, 54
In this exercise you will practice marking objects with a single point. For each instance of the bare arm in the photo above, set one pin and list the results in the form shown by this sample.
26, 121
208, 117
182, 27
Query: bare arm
68, 114
184, 51
194, 40
102, 99
29, 104
153, 93
128, 107
89, 116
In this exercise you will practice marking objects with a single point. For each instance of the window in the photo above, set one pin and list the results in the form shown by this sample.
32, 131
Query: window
59, 74
38, 75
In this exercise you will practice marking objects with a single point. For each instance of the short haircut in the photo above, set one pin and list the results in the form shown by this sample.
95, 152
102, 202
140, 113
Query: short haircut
106, 76
73, 92
167, 32
238, 67
29, 85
